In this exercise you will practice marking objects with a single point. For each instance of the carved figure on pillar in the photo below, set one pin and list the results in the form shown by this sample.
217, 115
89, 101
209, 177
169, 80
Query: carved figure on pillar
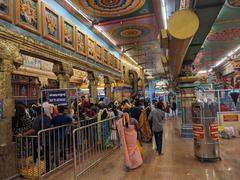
108, 87
93, 83
64, 72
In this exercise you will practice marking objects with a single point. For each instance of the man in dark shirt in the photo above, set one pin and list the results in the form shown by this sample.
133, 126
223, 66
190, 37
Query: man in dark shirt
136, 110
61, 118
61, 134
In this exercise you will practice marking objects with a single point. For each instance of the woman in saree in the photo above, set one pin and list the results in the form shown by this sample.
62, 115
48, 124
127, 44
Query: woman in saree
144, 127
127, 132
103, 128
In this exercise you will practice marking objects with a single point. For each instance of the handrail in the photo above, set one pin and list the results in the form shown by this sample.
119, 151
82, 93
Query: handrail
92, 143
52, 128
94, 123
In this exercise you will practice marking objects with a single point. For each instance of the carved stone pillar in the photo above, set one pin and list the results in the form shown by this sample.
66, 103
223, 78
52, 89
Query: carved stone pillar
108, 87
93, 83
64, 72
10, 58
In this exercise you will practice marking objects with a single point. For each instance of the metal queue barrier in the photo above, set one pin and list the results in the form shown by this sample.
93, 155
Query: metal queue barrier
27, 156
92, 143
51, 149
54, 148
86, 122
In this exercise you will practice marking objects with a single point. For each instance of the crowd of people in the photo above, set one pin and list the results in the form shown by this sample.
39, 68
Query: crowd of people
137, 122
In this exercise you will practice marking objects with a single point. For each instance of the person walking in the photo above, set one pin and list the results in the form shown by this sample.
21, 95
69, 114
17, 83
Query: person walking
174, 108
157, 118
126, 127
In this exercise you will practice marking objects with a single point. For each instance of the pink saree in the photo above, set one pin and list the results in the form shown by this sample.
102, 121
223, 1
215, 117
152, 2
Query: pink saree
128, 137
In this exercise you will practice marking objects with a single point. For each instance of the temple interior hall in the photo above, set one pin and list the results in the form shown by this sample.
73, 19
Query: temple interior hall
120, 89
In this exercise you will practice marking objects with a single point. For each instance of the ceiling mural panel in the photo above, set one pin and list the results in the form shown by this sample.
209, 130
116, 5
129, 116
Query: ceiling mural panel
131, 31
104, 10
223, 37
133, 25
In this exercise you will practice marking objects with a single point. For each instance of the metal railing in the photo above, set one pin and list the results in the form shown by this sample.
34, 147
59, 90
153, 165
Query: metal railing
92, 143
54, 148
86, 122
51, 149
27, 156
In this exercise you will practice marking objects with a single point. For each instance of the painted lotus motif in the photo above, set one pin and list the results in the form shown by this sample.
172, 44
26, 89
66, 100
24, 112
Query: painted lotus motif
28, 12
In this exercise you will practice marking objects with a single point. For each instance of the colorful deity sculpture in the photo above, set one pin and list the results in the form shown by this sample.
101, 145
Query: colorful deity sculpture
68, 35
28, 12
51, 24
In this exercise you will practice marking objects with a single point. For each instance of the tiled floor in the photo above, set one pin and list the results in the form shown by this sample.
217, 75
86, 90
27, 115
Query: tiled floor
177, 163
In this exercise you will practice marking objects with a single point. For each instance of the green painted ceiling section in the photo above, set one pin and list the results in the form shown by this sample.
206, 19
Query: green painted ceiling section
223, 37
207, 12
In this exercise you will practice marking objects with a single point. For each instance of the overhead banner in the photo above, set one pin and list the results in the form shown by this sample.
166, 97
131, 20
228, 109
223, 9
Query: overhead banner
58, 97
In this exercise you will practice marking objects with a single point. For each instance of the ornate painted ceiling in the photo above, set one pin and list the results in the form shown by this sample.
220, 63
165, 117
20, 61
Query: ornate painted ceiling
106, 10
223, 38
134, 26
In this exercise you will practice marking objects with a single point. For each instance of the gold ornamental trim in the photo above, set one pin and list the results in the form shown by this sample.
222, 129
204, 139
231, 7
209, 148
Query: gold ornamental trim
34, 48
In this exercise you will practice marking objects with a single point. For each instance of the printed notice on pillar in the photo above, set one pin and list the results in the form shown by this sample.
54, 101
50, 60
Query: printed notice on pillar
1, 109
57, 97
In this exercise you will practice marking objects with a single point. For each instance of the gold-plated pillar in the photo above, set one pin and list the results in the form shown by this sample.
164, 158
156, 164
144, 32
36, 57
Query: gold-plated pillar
93, 83
108, 87
10, 58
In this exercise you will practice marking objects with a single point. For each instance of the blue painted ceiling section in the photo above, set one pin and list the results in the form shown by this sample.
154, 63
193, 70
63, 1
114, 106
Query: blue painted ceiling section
63, 12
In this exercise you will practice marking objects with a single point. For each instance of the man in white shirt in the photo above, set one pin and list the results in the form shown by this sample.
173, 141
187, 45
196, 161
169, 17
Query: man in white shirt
48, 108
